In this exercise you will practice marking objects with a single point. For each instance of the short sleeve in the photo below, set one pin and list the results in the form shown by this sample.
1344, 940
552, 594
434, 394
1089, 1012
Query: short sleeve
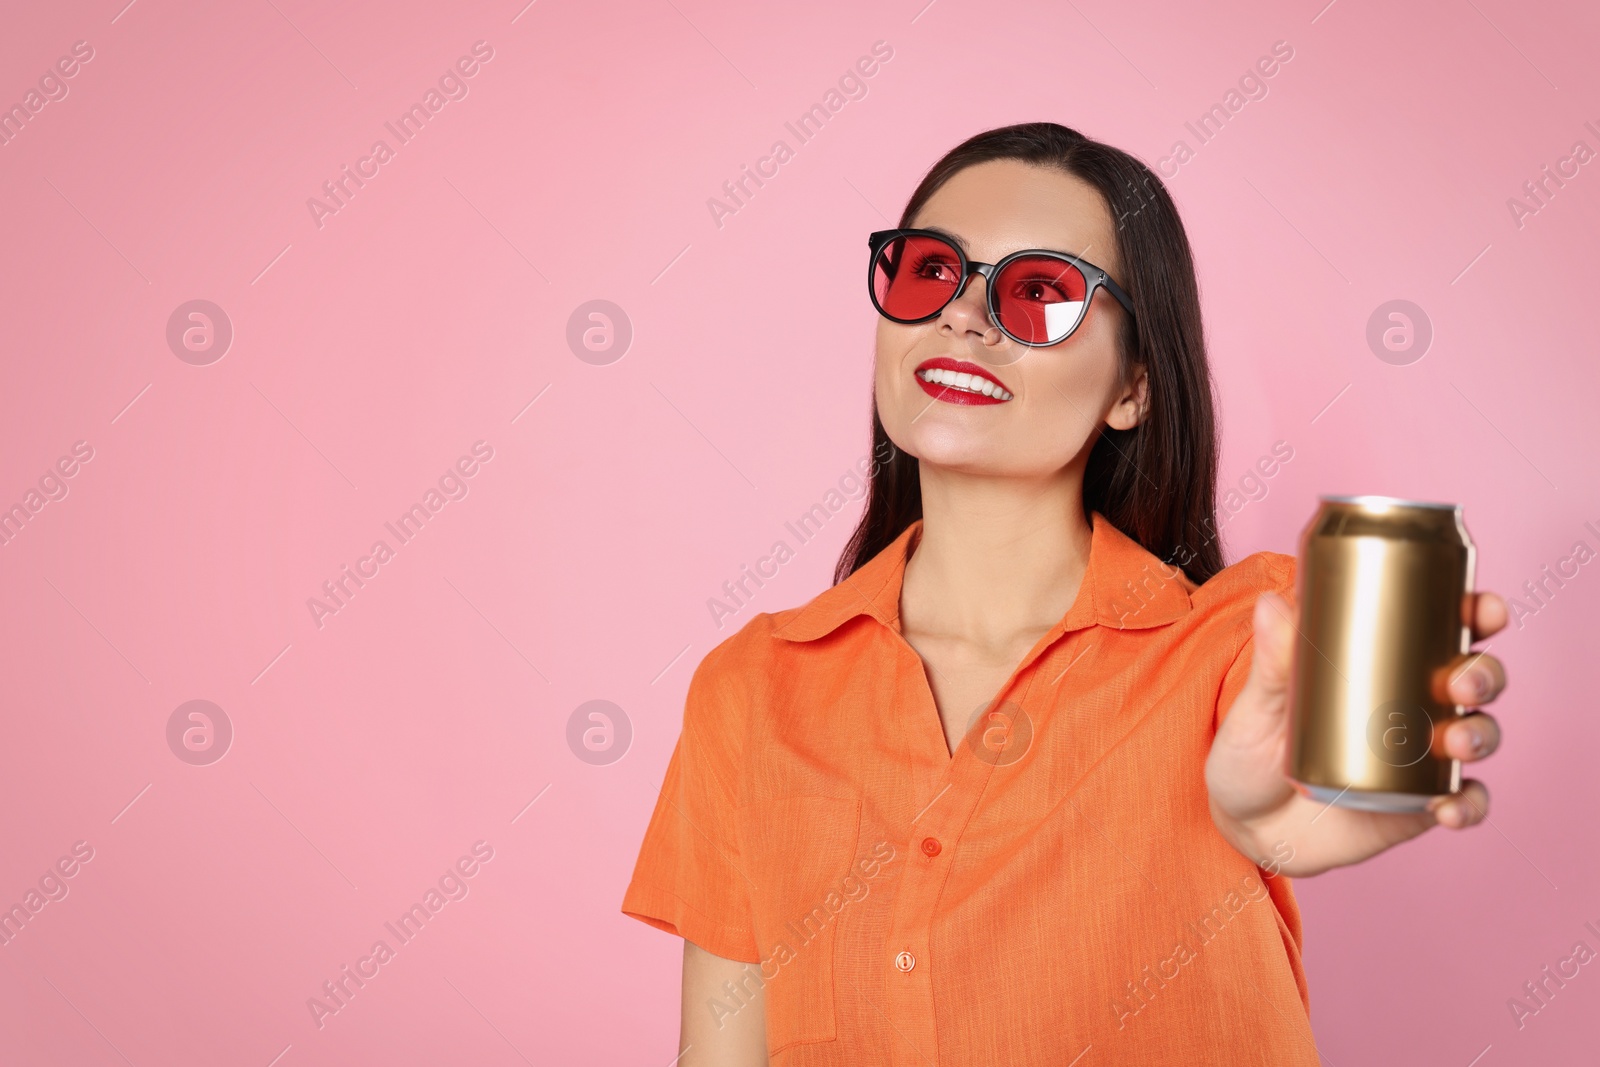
688, 879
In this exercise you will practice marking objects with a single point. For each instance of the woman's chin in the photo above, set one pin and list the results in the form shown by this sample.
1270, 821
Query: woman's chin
965, 458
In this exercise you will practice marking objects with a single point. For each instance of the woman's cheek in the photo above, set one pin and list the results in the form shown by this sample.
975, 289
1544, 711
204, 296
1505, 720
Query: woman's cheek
884, 387
1064, 426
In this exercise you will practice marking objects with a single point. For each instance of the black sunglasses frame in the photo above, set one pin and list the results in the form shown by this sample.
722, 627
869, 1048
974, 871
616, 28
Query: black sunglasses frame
1095, 277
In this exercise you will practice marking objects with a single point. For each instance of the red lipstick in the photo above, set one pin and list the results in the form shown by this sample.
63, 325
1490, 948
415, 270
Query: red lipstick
952, 392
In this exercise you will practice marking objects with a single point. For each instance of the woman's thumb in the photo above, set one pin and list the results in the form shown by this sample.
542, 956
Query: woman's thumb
1274, 643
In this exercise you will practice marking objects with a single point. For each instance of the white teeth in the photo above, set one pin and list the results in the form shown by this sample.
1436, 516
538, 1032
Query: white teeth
969, 383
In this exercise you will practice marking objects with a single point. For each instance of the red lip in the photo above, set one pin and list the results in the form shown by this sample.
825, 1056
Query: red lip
958, 396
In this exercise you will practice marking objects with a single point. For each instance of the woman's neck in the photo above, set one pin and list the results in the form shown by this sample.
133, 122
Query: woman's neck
996, 557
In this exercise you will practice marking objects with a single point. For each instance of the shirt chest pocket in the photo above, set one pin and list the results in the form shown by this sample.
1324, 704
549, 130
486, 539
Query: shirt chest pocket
798, 852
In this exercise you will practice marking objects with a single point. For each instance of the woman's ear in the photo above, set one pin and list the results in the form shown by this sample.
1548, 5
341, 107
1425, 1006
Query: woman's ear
1134, 403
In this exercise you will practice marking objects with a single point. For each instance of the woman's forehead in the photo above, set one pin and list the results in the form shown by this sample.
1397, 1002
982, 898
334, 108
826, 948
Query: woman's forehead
999, 206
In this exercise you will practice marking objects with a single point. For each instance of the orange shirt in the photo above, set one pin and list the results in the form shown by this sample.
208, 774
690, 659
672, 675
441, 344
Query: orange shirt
1056, 889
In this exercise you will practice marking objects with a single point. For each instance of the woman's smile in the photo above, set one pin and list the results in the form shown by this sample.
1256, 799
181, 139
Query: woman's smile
955, 381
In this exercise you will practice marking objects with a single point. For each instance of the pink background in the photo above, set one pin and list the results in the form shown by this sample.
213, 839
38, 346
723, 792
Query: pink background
369, 353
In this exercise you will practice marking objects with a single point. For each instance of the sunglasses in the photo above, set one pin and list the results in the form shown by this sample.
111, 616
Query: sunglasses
1036, 297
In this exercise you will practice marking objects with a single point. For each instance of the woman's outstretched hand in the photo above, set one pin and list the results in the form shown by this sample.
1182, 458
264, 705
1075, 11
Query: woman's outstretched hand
1259, 811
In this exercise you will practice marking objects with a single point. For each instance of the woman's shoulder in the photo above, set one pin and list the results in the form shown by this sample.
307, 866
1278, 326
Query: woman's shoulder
750, 642
744, 672
748, 653
771, 648
1238, 584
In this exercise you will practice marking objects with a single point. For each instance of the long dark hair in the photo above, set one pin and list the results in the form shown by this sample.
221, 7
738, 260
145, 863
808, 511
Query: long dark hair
1156, 482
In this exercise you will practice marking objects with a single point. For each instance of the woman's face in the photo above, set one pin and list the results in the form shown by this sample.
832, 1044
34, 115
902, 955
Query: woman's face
1060, 395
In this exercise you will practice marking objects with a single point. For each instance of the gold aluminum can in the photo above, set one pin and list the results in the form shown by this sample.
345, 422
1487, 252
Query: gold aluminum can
1382, 586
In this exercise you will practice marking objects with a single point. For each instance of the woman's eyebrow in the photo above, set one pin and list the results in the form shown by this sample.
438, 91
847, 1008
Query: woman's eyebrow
966, 250
959, 241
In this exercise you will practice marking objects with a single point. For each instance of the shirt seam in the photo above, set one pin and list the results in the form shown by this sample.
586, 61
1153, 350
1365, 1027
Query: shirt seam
688, 905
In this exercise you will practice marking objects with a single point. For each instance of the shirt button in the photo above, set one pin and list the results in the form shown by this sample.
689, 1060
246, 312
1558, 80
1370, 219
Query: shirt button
905, 961
930, 846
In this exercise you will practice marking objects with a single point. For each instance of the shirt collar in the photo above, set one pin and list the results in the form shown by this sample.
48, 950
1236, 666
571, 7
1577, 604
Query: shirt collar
1125, 587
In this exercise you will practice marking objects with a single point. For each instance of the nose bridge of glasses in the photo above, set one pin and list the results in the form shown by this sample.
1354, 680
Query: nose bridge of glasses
982, 270
984, 305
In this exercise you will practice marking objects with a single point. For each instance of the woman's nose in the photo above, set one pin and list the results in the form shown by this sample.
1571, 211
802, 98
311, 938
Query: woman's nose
972, 297
971, 306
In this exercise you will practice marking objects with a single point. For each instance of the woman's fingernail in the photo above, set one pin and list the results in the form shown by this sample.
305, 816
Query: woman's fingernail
1480, 684
1476, 740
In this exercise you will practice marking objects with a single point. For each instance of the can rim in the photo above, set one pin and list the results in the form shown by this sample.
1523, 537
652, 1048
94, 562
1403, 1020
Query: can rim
1389, 501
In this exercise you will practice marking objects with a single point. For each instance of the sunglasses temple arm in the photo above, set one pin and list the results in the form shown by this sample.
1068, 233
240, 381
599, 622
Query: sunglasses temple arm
1116, 291
891, 259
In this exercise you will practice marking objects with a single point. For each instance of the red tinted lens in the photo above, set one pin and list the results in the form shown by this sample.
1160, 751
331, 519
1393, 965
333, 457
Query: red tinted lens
914, 276
1040, 299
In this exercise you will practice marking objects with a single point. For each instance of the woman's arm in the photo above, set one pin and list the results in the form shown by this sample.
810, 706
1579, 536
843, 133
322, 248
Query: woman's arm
732, 1036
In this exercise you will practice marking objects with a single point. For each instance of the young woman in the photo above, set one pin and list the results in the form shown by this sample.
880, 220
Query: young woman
1012, 791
